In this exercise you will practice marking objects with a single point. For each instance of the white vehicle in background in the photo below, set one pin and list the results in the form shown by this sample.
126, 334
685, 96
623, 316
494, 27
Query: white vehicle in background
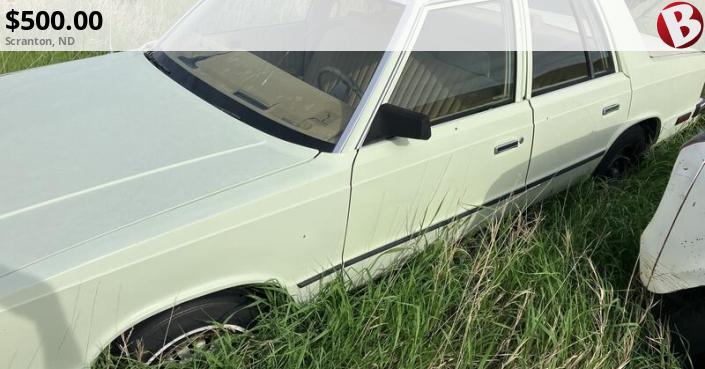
672, 260
147, 197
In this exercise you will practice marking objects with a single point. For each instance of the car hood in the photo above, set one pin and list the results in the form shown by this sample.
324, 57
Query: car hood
94, 146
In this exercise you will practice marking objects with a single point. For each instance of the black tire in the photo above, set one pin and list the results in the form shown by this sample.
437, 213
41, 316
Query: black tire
624, 155
166, 331
684, 311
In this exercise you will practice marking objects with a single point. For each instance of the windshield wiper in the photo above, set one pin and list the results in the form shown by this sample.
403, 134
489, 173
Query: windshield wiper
191, 62
150, 56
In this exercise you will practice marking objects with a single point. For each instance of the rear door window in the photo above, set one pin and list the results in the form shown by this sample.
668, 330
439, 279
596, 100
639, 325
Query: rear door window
569, 44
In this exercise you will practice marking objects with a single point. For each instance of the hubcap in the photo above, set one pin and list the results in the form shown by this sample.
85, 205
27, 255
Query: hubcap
183, 347
619, 167
622, 163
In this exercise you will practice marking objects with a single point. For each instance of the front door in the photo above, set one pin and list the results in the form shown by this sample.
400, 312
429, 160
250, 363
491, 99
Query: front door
478, 153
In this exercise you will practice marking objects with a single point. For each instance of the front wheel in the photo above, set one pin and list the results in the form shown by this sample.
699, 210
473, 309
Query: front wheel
176, 334
624, 155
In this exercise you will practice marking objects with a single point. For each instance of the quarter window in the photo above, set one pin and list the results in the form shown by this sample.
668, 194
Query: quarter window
572, 27
448, 84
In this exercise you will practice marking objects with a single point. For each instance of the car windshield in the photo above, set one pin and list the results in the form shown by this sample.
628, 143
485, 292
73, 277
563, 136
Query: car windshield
303, 97
308, 95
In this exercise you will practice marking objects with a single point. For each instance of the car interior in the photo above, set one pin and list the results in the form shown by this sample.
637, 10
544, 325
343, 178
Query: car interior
433, 83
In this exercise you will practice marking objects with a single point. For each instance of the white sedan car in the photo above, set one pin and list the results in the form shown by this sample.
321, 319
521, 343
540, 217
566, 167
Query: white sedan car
153, 194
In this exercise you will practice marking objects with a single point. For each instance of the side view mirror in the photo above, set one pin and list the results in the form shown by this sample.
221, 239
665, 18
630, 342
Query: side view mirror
393, 121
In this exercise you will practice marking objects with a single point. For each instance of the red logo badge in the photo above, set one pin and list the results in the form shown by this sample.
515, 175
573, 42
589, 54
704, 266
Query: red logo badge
680, 25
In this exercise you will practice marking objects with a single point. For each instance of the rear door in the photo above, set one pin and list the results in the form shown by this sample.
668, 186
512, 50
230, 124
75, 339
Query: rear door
480, 146
578, 97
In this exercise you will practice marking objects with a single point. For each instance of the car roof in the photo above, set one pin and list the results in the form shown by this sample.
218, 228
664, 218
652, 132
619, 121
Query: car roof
420, 2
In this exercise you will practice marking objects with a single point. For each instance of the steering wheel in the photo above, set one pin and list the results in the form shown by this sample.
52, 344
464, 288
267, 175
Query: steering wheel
339, 77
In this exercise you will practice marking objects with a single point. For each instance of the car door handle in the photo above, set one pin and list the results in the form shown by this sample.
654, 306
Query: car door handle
610, 109
511, 145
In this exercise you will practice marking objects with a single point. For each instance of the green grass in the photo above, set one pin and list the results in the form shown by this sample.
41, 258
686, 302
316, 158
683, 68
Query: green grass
14, 61
550, 287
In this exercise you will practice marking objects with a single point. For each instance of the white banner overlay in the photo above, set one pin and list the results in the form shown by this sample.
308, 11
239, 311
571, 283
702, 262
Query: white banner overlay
351, 25
127, 24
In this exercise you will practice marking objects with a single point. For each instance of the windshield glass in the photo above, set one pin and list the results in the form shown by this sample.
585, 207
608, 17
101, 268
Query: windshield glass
304, 97
273, 25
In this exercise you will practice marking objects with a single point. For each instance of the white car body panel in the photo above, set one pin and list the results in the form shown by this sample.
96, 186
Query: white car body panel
205, 203
673, 245
204, 217
570, 123
110, 180
663, 87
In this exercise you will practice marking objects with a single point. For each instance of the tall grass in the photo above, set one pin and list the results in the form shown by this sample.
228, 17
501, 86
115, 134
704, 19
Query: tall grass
553, 286
15, 61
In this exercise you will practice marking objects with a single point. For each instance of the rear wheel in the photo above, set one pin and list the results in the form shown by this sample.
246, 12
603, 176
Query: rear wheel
175, 335
624, 155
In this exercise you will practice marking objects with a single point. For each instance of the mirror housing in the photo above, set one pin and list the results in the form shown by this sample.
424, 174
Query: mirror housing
393, 121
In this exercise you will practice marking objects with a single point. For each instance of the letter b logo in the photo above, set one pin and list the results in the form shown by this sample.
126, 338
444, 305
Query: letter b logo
680, 25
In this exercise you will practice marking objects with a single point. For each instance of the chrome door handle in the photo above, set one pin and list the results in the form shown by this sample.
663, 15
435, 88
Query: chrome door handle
610, 109
511, 145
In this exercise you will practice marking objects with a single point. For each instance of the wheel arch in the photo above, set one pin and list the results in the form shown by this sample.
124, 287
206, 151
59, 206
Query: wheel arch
257, 290
652, 129
651, 126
